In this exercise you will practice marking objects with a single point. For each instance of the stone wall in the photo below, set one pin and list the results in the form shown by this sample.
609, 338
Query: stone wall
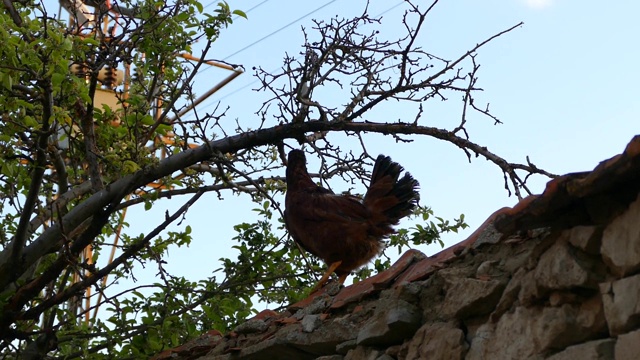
566, 291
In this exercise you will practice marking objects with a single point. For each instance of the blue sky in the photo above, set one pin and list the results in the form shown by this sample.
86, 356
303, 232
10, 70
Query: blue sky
565, 85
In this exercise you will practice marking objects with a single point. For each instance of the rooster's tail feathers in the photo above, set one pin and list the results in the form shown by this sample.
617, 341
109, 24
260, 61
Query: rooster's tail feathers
388, 196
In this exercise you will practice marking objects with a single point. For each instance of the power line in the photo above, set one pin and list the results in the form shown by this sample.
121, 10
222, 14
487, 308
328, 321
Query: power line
255, 81
280, 29
269, 35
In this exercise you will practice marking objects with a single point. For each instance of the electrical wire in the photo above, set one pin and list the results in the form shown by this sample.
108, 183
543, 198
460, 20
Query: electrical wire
255, 81
269, 35
278, 30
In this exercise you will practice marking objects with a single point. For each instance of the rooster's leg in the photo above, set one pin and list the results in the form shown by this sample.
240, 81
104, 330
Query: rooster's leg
326, 275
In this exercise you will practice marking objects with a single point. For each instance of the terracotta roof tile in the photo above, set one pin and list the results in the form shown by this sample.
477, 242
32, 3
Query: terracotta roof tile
310, 299
417, 271
586, 198
266, 314
195, 347
382, 280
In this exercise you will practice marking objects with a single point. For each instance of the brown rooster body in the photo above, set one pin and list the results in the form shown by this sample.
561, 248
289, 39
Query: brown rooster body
343, 230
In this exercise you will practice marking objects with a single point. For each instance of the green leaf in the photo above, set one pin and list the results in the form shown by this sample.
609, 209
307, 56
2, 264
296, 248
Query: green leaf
67, 45
163, 129
91, 41
30, 122
8, 169
182, 17
147, 120
240, 13
129, 167
57, 79
7, 81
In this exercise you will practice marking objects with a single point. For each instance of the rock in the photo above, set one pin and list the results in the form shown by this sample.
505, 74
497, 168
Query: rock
325, 338
530, 292
319, 304
363, 353
251, 326
483, 335
442, 341
510, 294
621, 241
394, 351
393, 321
621, 305
432, 298
330, 357
385, 357
520, 257
557, 298
593, 350
591, 317
528, 332
343, 348
310, 323
453, 273
517, 335
488, 236
559, 268
409, 292
274, 348
586, 238
488, 270
628, 346
290, 342
470, 297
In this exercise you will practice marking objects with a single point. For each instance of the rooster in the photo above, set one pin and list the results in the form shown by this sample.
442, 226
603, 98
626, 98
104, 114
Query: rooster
343, 230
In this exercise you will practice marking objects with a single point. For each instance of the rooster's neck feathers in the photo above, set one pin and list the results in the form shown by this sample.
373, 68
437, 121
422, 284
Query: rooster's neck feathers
297, 176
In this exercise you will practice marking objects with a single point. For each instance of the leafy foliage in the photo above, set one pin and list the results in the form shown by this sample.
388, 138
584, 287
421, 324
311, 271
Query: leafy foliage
72, 165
